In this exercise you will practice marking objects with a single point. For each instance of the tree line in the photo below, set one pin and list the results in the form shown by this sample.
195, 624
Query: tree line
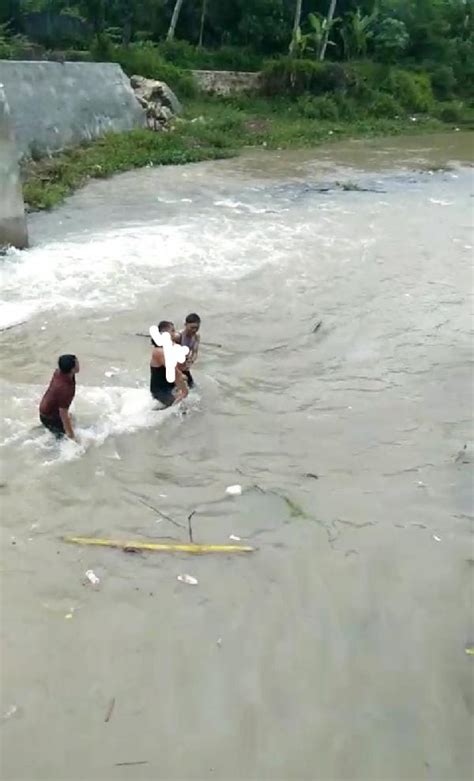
439, 32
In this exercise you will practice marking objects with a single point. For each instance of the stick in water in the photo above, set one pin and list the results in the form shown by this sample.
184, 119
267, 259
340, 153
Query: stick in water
190, 528
205, 344
110, 710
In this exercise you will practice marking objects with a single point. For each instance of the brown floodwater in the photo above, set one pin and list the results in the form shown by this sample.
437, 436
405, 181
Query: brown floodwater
337, 650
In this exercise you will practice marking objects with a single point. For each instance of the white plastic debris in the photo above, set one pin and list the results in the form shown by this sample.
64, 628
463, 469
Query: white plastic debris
10, 712
92, 577
219, 642
435, 537
234, 537
233, 490
189, 579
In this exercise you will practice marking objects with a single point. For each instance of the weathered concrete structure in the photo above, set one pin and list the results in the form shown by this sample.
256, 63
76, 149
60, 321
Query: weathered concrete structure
55, 105
12, 214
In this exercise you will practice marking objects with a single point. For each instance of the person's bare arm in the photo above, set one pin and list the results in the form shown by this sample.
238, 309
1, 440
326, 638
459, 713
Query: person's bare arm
181, 385
67, 423
195, 352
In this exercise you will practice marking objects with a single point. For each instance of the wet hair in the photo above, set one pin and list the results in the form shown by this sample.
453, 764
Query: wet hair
165, 325
193, 318
66, 363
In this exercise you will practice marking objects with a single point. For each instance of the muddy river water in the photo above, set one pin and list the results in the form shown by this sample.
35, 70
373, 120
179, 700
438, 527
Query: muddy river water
337, 650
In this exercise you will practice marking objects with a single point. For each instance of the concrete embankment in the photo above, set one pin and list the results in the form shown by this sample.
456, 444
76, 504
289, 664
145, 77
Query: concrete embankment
47, 106
55, 105
12, 215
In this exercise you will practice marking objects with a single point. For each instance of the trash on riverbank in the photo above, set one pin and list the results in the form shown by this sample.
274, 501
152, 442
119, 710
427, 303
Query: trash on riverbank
234, 537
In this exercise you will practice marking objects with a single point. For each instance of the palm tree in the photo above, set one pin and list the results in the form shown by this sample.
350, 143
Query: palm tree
327, 28
174, 20
296, 26
357, 33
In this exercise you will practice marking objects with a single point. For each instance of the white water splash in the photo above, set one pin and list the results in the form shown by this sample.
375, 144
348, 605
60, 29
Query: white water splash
99, 412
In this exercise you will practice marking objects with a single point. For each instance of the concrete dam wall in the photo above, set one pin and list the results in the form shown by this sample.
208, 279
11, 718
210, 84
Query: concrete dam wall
55, 105
12, 215
47, 106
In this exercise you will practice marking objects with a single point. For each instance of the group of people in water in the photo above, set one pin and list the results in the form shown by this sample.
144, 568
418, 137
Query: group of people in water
54, 406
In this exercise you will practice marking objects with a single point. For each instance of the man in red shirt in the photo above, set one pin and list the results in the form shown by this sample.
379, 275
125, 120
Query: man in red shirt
54, 407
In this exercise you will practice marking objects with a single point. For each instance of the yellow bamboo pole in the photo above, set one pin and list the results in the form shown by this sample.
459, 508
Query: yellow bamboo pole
163, 547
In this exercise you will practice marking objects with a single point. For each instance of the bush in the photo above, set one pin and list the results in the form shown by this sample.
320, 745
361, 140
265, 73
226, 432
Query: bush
463, 66
347, 107
450, 112
69, 55
385, 105
295, 77
443, 81
391, 39
323, 107
412, 90
144, 59
180, 53
185, 55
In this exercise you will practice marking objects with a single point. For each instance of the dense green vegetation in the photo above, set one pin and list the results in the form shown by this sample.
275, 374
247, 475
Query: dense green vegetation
330, 68
434, 36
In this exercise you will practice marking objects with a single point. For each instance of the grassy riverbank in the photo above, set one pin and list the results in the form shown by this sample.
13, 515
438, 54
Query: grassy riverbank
210, 129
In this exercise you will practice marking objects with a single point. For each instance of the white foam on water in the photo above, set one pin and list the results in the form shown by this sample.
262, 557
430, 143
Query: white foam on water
228, 203
111, 270
99, 412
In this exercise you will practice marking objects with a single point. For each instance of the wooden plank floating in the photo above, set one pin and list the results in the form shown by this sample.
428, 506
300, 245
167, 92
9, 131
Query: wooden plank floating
160, 547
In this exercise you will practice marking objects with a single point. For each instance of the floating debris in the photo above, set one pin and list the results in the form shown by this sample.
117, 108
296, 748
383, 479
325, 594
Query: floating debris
110, 710
189, 579
233, 490
161, 547
92, 577
10, 712
129, 764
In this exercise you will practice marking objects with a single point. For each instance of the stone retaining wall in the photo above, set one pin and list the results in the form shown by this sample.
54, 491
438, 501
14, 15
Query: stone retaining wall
227, 82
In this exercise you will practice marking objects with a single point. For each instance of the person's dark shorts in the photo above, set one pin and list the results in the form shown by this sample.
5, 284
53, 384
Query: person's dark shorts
167, 398
55, 425
189, 376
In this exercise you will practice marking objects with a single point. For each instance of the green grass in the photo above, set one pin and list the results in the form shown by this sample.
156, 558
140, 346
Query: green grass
221, 128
